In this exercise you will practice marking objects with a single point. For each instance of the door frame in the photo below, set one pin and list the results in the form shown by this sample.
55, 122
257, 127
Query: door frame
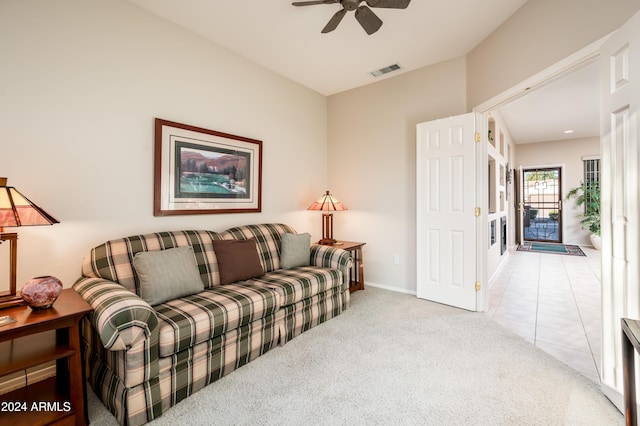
573, 62
620, 107
610, 303
518, 206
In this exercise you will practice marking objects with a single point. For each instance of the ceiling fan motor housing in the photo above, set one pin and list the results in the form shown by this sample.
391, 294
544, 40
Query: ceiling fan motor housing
351, 4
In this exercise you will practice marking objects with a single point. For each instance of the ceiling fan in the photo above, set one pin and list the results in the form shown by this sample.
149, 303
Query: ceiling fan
365, 16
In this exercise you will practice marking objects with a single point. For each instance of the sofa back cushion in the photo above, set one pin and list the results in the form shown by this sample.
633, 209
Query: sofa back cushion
268, 238
113, 260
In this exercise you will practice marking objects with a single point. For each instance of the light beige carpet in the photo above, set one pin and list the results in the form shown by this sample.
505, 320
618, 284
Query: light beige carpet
393, 359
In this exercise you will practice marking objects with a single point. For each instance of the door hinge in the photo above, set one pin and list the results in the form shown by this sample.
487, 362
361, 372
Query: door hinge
478, 286
477, 211
477, 137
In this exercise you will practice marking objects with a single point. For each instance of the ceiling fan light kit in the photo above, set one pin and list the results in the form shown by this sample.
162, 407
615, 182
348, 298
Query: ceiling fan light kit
367, 19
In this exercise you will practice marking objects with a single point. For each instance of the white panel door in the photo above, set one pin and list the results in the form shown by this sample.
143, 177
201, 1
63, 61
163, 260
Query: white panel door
446, 223
620, 125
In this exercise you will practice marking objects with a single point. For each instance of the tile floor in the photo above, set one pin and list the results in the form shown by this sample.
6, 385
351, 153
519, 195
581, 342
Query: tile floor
553, 301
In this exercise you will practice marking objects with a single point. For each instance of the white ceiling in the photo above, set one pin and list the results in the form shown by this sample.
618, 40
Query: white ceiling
571, 102
287, 40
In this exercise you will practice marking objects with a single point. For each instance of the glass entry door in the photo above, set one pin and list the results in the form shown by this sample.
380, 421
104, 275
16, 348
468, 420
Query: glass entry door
541, 205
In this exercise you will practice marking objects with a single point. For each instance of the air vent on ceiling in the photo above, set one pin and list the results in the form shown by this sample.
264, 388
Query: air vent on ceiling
385, 70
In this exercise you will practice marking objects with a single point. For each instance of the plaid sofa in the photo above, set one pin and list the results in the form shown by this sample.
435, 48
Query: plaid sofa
141, 360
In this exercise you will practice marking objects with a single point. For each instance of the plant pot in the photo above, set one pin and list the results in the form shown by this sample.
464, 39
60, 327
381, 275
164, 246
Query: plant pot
596, 241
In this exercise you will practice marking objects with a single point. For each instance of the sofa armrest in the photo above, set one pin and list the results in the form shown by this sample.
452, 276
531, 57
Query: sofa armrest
121, 318
332, 257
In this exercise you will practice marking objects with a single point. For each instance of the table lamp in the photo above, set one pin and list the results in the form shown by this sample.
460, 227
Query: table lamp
16, 210
327, 203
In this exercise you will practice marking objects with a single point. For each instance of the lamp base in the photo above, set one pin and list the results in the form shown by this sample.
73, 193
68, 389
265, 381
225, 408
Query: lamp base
327, 230
327, 241
10, 301
10, 298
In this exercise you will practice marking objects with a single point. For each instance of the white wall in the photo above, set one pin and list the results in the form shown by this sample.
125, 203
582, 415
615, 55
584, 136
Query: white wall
82, 82
501, 152
538, 35
372, 129
372, 145
568, 154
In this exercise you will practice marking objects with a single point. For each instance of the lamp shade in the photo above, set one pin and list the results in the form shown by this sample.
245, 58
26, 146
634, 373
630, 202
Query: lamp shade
17, 210
327, 203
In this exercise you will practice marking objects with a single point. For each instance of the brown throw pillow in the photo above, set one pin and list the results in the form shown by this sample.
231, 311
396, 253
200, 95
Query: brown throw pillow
237, 260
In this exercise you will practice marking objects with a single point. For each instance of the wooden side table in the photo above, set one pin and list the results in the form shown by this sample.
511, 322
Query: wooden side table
59, 400
356, 275
630, 344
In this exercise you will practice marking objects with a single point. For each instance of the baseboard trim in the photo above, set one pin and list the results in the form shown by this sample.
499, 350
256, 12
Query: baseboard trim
386, 287
496, 272
32, 376
614, 396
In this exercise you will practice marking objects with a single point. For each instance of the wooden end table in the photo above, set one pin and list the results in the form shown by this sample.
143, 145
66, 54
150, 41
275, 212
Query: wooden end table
630, 344
356, 274
59, 400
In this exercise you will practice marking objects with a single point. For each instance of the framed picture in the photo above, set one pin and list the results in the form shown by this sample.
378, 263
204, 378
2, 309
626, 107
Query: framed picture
201, 171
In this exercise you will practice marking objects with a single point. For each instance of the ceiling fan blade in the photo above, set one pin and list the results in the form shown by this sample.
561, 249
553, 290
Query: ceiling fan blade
314, 2
389, 4
369, 21
334, 21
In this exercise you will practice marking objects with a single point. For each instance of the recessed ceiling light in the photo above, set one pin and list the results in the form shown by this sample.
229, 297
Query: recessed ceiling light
566, 132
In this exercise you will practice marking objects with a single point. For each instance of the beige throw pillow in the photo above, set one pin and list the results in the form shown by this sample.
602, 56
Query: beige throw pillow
295, 250
167, 274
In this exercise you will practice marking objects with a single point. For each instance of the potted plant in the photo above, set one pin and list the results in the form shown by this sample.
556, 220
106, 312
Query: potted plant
588, 195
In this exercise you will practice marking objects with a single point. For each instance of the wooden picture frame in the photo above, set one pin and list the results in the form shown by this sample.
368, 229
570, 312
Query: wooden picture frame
202, 171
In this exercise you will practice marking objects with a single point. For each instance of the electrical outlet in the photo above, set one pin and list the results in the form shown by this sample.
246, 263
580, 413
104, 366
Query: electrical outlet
396, 259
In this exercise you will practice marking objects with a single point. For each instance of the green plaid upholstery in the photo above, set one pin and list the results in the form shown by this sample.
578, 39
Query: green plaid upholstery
181, 374
113, 260
142, 360
123, 318
191, 320
131, 406
294, 285
129, 368
268, 238
190, 370
333, 257
307, 313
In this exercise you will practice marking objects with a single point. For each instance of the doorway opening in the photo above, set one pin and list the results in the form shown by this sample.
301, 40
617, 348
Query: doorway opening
542, 204
550, 296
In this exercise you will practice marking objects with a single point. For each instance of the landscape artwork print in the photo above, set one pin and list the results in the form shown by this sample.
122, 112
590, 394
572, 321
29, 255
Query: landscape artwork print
201, 171
211, 172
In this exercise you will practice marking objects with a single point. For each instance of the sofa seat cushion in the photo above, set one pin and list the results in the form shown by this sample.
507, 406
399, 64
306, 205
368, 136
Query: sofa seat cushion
296, 284
193, 319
